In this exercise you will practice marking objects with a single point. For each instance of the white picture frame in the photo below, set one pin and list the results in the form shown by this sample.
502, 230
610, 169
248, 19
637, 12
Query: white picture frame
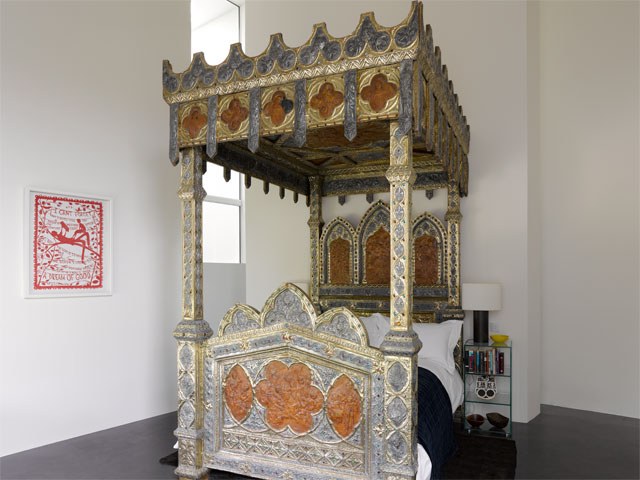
68, 243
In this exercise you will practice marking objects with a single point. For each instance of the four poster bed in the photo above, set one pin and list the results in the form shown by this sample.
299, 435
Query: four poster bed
300, 389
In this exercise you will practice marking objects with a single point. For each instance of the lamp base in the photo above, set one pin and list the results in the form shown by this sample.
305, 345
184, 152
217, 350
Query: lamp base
480, 326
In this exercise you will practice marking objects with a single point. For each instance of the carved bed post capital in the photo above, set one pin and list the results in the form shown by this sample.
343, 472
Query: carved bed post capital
453, 218
315, 226
193, 330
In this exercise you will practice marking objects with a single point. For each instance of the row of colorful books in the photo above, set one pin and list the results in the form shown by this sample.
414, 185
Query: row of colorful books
484, 361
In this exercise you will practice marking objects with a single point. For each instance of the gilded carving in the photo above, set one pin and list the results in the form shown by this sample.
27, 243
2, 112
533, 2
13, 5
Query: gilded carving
238, 393
377, 259
192, 118
453, 217
326, 101
233, 120
342, 323
289, 397
344, 407
378, 96
192, 331
379, 92
401, 177
371, 45
370, 56
340, 262
315, 224
426, 260
277, 112
376, 217
278, 107
194, 122
337, 260
234, 115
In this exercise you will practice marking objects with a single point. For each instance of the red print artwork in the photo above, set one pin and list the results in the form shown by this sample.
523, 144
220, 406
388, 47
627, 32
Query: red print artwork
67, 243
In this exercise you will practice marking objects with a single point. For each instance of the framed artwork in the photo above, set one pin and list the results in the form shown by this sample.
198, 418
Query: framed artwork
69, 244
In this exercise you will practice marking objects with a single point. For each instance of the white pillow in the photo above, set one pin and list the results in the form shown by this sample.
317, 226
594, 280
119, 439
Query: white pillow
438, 341
377, 326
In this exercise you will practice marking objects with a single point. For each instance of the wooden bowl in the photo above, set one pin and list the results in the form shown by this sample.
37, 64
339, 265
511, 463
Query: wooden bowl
475, 420
497, 420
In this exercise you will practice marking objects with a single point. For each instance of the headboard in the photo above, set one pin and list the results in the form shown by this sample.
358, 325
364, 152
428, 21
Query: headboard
354, 266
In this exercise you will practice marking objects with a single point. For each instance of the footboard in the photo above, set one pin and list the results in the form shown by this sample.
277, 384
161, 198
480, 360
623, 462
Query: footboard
289, 394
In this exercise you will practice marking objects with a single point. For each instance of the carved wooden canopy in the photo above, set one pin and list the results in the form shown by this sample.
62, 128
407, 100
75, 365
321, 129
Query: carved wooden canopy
323, 109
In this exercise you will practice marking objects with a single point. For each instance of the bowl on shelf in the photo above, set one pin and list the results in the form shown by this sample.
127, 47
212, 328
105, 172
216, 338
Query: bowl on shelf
499, 339
475, 420
497, 420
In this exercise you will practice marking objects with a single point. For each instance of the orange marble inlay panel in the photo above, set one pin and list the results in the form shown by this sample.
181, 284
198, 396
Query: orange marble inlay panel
234, 115
378, 258
289, 397
194, 122
326, 100
339, 255
343, 406
238, 393
426, 263
379, 92
278, 108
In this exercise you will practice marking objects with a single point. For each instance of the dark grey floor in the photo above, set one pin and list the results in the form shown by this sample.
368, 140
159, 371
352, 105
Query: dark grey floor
567, 443
559, 443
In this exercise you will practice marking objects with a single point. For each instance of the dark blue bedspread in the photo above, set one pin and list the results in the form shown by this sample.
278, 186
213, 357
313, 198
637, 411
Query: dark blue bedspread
435, 421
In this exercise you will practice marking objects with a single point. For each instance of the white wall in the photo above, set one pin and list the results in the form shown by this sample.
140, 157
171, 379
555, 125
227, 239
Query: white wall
534, 212
589, 149
277, 241
224, 286
490, 76
82, 112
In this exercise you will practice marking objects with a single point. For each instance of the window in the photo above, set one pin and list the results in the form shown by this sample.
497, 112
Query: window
222, 216
215, 25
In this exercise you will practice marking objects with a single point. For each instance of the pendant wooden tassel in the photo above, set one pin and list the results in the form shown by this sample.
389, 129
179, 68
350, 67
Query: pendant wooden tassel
281, 192
295, 197
247, 181
265, 187
227, 174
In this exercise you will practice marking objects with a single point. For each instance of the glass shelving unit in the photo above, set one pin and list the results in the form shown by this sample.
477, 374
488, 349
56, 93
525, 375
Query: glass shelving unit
502, 402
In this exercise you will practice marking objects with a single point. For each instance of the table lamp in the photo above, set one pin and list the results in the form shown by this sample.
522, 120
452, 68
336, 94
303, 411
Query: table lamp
481, 298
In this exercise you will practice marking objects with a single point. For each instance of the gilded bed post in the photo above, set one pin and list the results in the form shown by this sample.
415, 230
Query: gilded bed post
401, 344
315, 225
453, 218
192, 332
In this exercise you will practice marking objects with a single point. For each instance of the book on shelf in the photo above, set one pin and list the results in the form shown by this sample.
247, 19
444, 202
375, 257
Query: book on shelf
484, 361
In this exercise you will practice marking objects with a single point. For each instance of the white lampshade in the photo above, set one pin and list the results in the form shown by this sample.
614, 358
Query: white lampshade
481, 296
